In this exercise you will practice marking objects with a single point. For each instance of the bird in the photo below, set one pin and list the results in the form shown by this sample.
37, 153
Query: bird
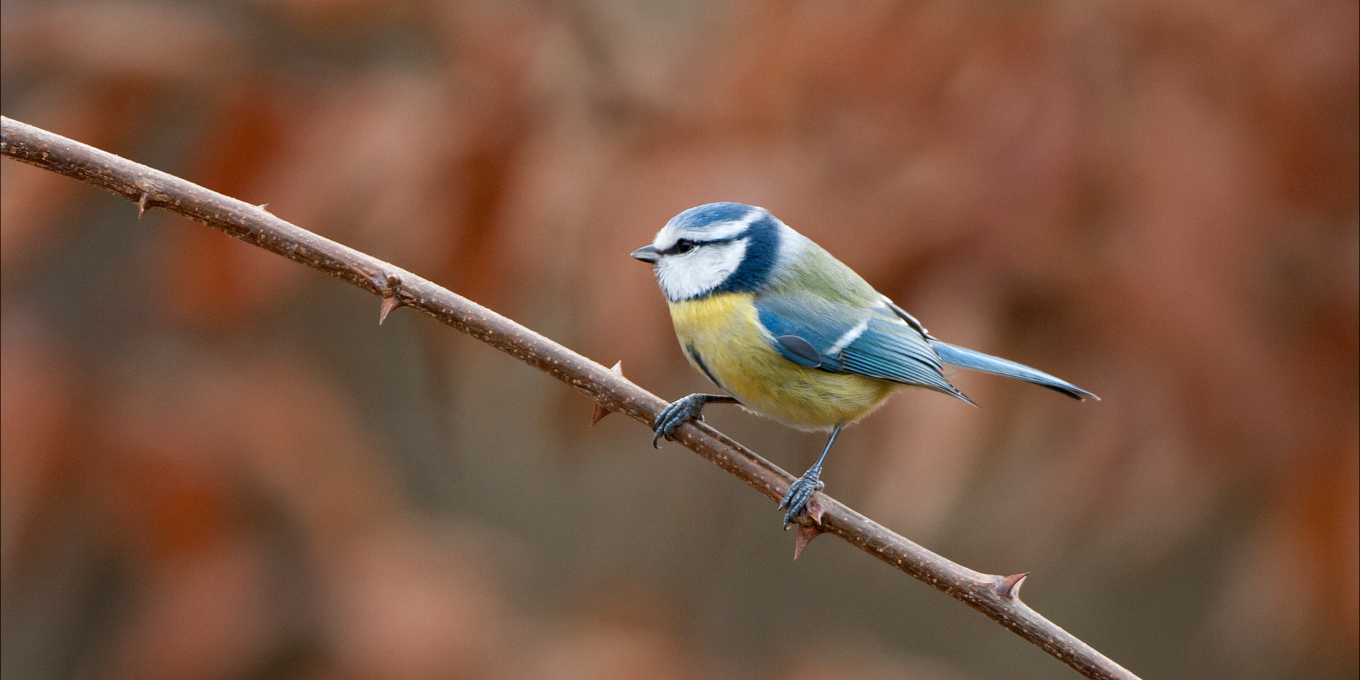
789, 332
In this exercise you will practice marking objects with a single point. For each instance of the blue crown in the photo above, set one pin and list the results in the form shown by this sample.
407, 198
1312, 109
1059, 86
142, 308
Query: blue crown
698, 217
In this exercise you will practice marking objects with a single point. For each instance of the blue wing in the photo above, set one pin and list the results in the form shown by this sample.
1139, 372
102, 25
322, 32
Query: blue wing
818, 333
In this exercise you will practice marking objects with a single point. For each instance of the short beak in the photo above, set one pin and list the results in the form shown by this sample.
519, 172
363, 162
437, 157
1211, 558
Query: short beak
646, 254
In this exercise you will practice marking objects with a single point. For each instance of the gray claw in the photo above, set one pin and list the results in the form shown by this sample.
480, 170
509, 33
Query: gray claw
798, 495
675, 415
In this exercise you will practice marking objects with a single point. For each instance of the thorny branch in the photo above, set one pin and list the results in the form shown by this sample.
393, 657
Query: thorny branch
995, 596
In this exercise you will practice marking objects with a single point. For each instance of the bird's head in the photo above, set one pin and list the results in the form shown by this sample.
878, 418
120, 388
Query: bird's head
718, 247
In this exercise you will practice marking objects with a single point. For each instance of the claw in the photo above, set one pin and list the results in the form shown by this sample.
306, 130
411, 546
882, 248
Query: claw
675, 415
798, 495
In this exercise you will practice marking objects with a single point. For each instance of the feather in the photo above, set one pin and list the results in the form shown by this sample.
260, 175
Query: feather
967, 358
815, 332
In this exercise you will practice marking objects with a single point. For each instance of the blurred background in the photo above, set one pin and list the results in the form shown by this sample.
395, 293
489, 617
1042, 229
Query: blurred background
216, 465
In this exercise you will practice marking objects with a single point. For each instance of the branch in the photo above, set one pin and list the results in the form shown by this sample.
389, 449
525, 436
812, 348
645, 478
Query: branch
997, 597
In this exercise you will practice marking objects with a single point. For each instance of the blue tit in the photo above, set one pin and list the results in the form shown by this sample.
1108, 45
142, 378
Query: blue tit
789, 332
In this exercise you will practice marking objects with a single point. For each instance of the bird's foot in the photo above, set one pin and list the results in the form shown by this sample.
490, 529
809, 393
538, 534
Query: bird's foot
798, 495
675, 415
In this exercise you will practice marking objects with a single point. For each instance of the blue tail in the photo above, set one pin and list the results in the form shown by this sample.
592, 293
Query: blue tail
967, 358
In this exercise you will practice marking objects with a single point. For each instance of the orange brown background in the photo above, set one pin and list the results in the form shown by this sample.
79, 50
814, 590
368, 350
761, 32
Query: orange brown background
217, 466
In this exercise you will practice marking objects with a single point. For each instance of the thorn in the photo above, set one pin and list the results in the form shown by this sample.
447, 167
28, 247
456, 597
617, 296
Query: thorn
142, 204
808, 530
815, 509
264, 207
389, 303
1009, 587
805, 535
391, 299
600, 410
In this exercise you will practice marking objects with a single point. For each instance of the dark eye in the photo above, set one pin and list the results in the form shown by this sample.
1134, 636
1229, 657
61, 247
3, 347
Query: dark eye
683, 246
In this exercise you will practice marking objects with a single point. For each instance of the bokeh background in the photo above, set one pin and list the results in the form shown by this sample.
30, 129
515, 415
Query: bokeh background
216, 465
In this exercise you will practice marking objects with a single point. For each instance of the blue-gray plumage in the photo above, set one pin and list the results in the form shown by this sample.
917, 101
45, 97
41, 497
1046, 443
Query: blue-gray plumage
788, 331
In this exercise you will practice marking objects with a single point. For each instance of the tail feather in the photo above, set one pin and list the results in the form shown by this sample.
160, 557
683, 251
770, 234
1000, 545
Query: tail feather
967, 358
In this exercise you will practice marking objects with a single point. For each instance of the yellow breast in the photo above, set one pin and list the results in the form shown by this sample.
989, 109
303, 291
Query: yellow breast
722, 337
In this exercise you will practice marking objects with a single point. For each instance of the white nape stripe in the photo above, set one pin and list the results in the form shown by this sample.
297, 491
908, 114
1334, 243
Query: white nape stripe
737, 226
790, 246
849, 337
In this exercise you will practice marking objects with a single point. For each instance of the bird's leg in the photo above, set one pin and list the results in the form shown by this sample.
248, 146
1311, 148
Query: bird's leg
801, 490
683, 409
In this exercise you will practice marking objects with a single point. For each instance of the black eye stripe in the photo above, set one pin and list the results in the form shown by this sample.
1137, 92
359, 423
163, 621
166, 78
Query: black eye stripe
685, 245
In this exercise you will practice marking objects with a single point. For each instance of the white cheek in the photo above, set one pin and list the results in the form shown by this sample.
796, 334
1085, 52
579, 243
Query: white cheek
686, 276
